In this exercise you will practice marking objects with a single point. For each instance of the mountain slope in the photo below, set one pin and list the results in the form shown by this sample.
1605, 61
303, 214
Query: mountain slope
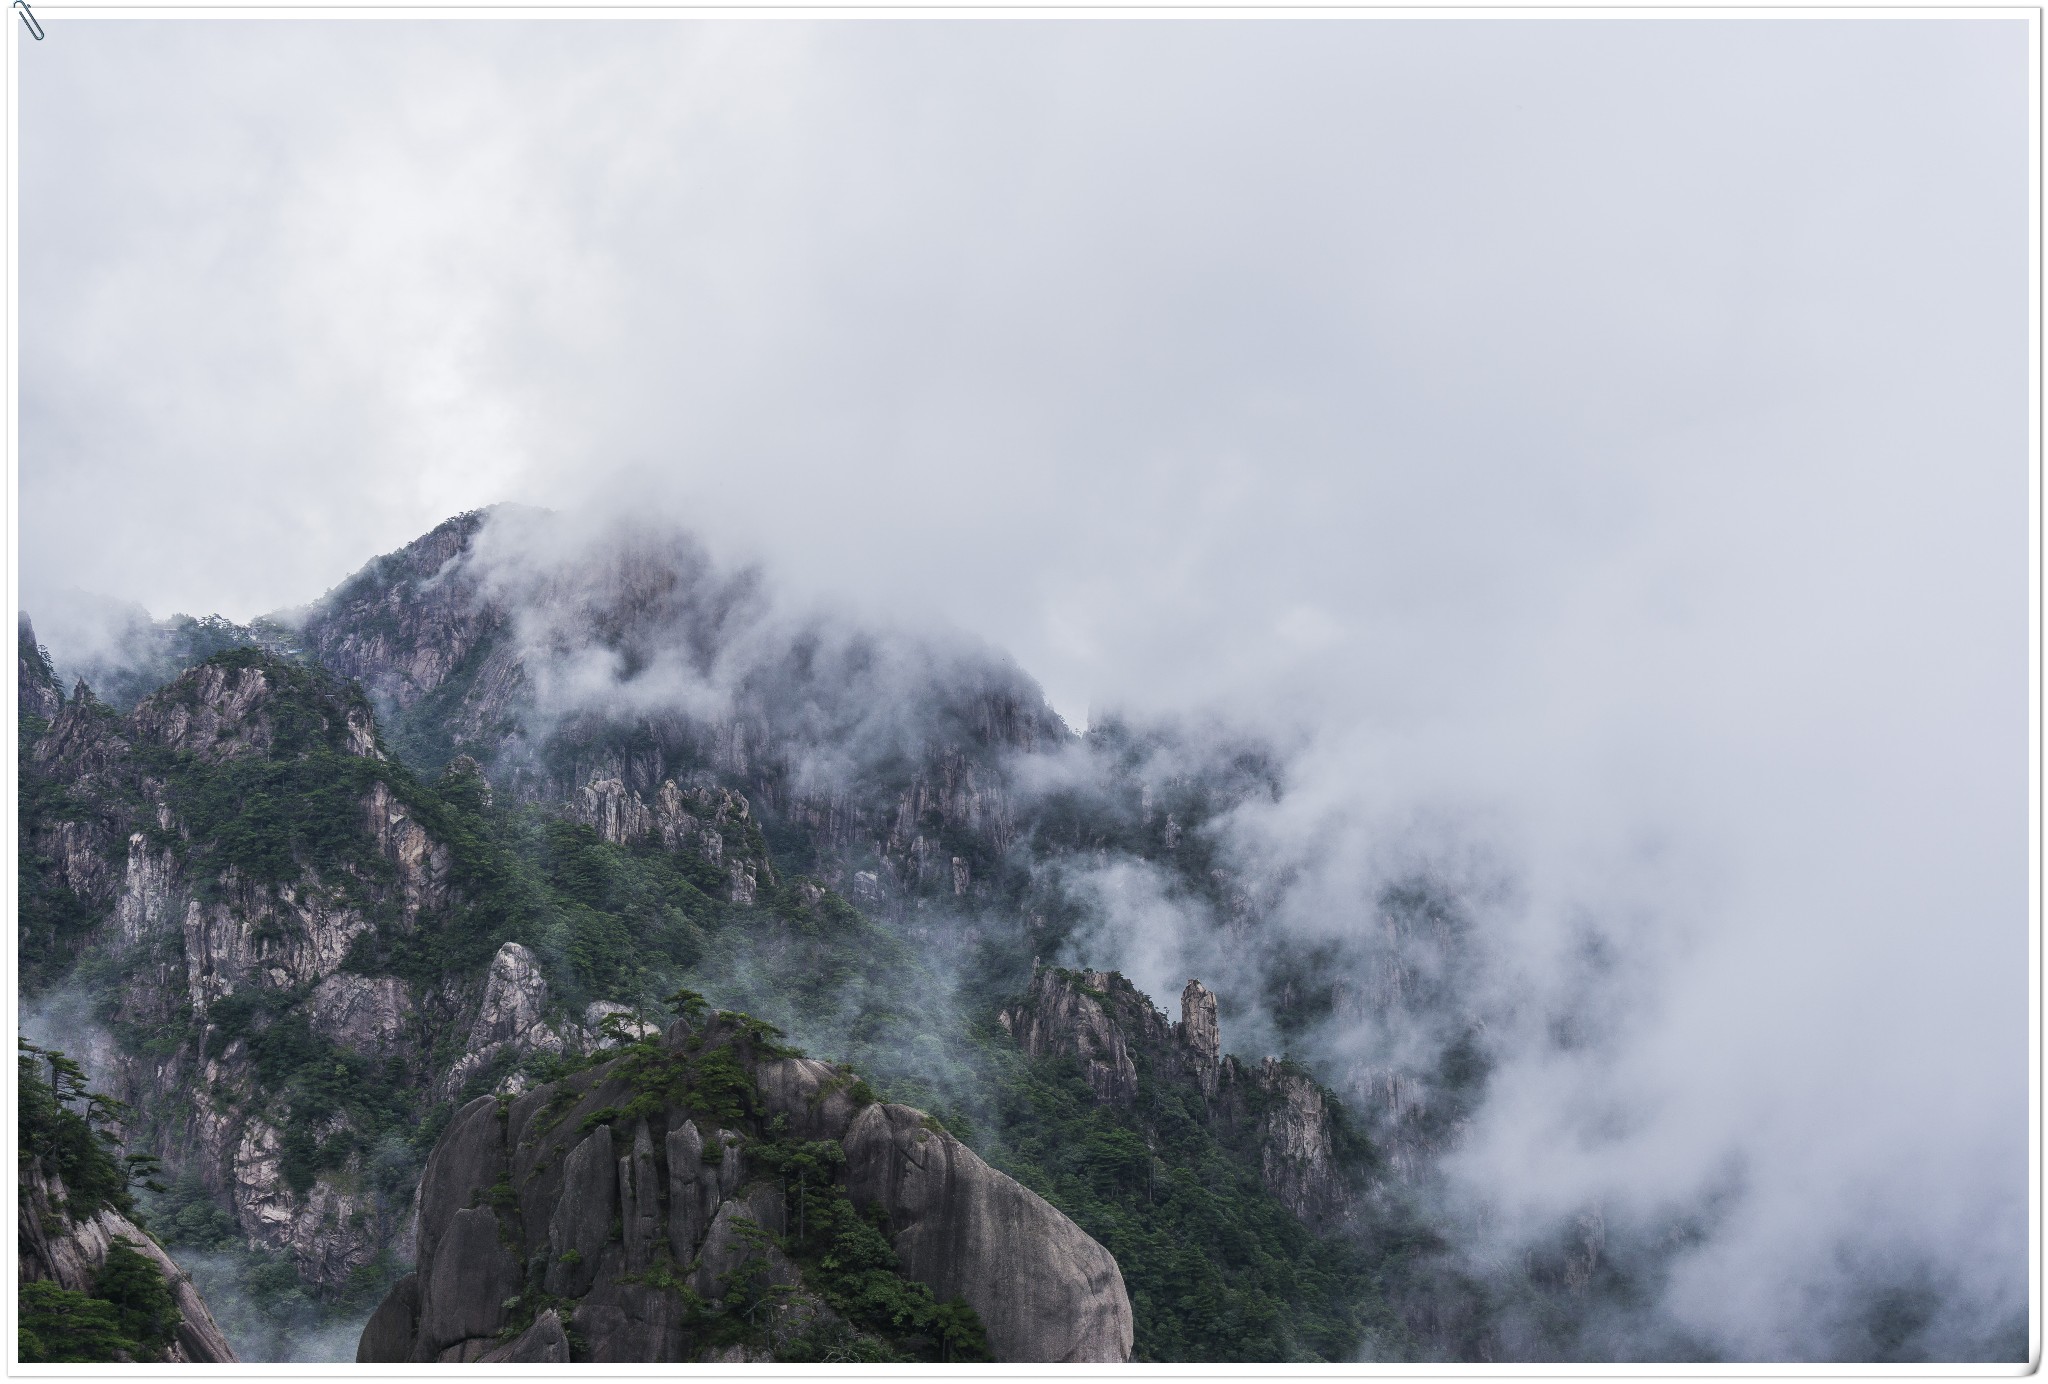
876, 758
312, 940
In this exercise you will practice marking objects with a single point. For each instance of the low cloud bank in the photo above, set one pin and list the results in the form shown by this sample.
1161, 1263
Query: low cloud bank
1737, 1050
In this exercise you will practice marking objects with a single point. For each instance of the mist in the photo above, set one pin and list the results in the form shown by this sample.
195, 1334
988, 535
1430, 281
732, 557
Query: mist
266, 1321
63, 1019
1590, 457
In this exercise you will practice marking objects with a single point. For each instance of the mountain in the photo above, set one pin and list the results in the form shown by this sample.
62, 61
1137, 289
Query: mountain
437, 846
879, 757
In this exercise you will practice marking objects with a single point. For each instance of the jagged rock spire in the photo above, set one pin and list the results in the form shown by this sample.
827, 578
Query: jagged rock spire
1198, 1026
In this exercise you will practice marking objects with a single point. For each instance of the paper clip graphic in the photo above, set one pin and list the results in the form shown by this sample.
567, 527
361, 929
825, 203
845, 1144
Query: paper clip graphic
28, 17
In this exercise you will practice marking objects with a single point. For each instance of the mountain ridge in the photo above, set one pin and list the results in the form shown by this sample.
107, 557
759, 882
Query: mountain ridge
368, 933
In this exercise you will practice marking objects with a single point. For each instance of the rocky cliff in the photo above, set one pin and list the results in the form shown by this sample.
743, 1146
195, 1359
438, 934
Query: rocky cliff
93, 1286
706, 1196
239, 858
71, 1251
181, 826
409, 621
1274, 1111
35, 680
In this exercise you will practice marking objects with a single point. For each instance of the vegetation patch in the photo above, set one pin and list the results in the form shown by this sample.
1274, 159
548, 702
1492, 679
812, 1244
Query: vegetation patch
130, 1313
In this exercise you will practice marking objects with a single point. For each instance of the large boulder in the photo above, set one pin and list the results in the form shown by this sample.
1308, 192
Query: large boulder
560, 1190
1045, 1291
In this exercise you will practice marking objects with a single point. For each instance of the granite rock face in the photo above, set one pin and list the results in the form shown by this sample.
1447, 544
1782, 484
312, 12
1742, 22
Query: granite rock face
421, 863
214, 713
462, 1294
1198, 1026
510, 1018
703, 1174
581, 1224
707, 819
1064, 1013
406, 622
54, 1247
218, 714
816, 1098
1043, 1288
606, 1213
190, 934
389, 1333
368, 1014
543, 1343
1298, 1159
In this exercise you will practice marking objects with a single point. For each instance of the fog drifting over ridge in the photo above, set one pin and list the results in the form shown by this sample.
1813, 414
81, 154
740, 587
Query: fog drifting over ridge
1596, 450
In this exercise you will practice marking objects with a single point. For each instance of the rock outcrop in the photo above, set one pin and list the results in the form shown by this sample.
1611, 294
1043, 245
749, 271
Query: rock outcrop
543, 1343
264, 936
86, 743
1044, 1289
1297, 1148
711, 821
1198, 1027
510, 1018
1274, 1111
221, 711
209, 951
35, 681
422, 863
1064, 1014
389, 1333
54, 1247
409, 620
564, 1201
368, 1014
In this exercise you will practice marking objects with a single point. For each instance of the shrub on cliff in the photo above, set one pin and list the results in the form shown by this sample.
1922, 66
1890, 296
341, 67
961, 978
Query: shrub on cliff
130, 1313
144, 1310
76, 1145
56, 1326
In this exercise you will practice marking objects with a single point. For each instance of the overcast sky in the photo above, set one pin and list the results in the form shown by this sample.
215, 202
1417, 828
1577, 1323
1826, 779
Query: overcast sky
1615, 427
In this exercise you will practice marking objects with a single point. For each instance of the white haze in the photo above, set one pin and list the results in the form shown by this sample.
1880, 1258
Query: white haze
1597, 449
